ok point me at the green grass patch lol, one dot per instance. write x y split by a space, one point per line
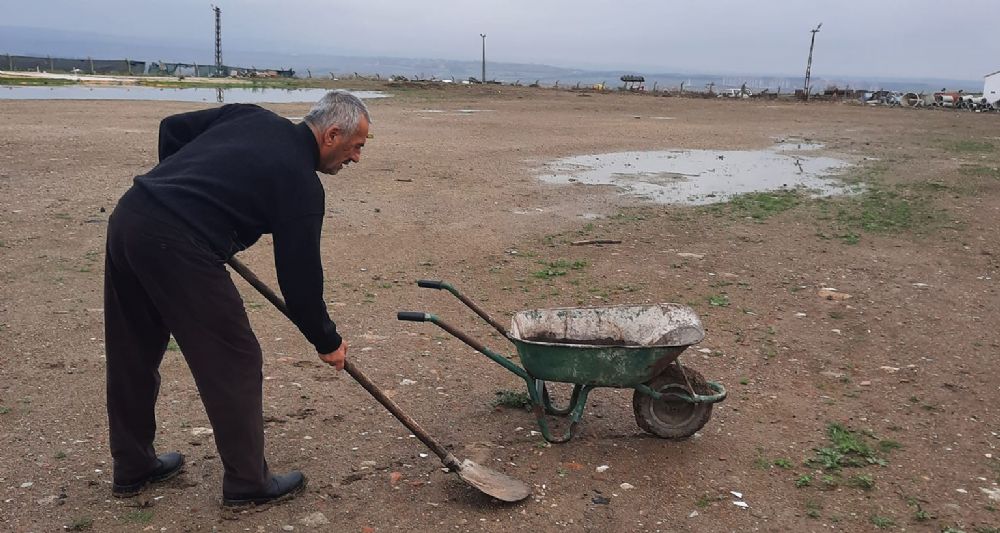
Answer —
172 345
512 399
848 449
140 516
34 82
761 205
719 300
80 524
881 210
882 522
968 147
979 171
4 410
560 267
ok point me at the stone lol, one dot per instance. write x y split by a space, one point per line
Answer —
314 520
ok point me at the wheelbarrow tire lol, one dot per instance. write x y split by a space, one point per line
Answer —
670 417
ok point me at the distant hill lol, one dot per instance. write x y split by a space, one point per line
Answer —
81 44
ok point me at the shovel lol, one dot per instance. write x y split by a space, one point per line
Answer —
489 482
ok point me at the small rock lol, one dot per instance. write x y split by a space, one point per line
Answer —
407 382
314 520
993 494
368 464
832 374
688 255
705 350
829 293
288 528
743 505
48 500
961 491
394 478
199 431
739 495
800 315
26 484
890 369
602 468
693 514
627 486
921 285
600 500
865 383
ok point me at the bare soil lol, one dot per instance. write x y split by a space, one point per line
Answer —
907 364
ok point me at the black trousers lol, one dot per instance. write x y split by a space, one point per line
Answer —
160 279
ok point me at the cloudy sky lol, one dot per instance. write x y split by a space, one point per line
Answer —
885 38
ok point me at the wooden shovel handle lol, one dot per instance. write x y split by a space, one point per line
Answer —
447 458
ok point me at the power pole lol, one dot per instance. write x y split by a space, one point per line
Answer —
483 35
218 40
810 63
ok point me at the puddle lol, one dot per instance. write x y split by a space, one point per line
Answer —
699 177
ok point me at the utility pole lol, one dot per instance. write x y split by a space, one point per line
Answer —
810 63
218 40
483 35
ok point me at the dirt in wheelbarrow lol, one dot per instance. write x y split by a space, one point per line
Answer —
856 335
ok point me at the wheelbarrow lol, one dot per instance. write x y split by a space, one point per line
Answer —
626 346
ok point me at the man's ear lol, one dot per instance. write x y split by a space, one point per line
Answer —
330 137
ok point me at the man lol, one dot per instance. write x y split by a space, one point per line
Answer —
226 176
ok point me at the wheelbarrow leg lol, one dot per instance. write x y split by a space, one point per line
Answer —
575 409
550 408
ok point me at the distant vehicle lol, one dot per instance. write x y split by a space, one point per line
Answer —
735 93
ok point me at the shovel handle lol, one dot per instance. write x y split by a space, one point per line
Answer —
446 457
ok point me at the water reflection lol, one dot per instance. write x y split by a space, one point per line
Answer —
698 177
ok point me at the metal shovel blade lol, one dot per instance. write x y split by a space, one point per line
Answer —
493 483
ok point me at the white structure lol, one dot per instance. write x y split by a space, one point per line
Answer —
991 87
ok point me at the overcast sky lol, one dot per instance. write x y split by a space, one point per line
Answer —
884 38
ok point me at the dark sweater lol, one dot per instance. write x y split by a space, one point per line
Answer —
235 172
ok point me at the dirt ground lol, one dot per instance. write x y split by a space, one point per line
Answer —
876 411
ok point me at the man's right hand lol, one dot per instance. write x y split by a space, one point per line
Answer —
336 358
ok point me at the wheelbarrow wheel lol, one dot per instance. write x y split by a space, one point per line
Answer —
671 417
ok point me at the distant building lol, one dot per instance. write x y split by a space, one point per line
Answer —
991 87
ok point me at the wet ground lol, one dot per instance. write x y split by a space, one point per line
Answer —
857 335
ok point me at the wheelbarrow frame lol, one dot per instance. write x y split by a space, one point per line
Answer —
646 362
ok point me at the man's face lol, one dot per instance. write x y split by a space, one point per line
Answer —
339 150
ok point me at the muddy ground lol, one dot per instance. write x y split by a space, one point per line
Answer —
875 411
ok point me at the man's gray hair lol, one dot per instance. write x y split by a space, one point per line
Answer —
340 108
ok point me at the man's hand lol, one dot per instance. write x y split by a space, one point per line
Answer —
337 357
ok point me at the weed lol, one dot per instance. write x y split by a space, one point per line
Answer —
862 481
141 516
60 455
783 463
172 345
888 445
979 171
813 508
704 501
512 399
804 480
744 381
80 524
4 410
882 522
719 300
987 529
828 482
966 146
849 450
558 268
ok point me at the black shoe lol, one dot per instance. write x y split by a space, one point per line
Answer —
282 488
168 465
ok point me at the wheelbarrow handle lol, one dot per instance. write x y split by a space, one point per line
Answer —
437 284
413 316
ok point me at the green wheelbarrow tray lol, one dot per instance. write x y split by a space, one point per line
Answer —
627 346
